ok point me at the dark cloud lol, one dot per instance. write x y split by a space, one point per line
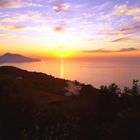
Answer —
131 28
7 4
127 49
97 51
62 7
12 27
58 29
18 27
121 39
117 32
110 51
125 30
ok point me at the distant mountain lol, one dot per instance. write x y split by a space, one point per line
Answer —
9 57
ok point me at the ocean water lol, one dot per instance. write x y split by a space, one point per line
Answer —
89 72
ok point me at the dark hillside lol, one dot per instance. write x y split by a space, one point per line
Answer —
33 106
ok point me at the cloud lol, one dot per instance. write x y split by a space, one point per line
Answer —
99 11
17 27
12 27
136 18
123 26
62 7
87 15
131 28
123 31
104 16
121 39
110 51
118 10
10 4
59 29
50 1
125 10
127 50
33 16
66 7
14 18
101 7
6 35
17 4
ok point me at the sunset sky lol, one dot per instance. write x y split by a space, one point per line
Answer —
68 28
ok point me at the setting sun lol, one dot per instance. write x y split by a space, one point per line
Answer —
62 55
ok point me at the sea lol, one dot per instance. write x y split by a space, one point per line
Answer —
88 72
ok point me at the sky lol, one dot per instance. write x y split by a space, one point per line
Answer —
70 28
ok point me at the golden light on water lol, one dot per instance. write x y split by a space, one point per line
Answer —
62 69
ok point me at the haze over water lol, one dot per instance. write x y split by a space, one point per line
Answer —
89 72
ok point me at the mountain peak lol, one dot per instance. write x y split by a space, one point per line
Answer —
11 54
11 57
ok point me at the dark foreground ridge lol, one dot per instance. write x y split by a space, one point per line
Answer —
35 106
16 58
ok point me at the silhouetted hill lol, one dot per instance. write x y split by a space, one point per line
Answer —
34 106
33 84
9 57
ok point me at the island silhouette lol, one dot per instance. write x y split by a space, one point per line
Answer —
16 58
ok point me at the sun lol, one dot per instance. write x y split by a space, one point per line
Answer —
62 55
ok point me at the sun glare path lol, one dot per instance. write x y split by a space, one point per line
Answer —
62 69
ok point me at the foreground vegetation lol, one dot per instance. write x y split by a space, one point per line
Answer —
33 107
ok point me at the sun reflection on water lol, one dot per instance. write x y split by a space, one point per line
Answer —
62 69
